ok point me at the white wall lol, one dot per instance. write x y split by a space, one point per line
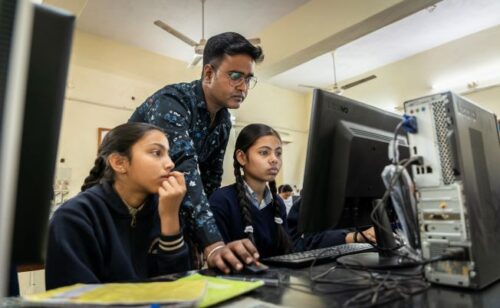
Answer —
288 113
488 98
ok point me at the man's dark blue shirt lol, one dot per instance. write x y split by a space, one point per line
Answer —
196 147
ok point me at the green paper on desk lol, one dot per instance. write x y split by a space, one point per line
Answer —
187 292
219 289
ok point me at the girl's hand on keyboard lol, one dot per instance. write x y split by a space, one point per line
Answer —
356 237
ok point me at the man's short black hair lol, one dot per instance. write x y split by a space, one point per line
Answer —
229 43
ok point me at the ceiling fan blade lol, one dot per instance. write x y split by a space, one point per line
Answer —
196 60
314 87
254 41
175 33
308 86
355 83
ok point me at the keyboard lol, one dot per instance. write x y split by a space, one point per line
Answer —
322 255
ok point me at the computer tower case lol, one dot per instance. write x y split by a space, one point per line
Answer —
458 188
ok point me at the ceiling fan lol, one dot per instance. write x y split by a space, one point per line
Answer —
198 46
335 88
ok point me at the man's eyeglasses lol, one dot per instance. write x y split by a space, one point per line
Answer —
237 78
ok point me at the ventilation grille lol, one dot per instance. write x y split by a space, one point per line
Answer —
437 249
445 155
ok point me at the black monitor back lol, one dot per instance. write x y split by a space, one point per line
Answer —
48 66
346 154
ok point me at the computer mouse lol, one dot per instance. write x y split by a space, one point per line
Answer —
254 268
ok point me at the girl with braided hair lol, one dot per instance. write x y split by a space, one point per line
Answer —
124 225
251 208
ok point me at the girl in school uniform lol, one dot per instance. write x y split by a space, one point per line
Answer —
251 207
124 225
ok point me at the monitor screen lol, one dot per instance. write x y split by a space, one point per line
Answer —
29 146
346 154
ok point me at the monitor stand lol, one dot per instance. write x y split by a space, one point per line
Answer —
374 260
387 257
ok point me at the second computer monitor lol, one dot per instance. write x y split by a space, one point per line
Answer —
346 154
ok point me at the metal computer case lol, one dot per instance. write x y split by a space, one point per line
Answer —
458 187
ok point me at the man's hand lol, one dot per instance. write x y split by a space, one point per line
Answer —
230 256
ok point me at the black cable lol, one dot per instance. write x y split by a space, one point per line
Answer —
318 257
387 192
314 289
395 152
406 279
382 202
378 288
450 254
387 290
378 248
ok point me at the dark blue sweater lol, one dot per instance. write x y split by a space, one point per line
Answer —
92 240
309 241
225 207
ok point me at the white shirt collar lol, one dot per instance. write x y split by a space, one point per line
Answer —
252 196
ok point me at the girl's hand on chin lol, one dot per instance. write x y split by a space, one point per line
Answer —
171 193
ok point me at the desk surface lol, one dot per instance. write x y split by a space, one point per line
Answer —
298 293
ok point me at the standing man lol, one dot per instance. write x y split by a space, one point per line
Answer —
196 120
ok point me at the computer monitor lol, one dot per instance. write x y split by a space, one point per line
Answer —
346 154
34 65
